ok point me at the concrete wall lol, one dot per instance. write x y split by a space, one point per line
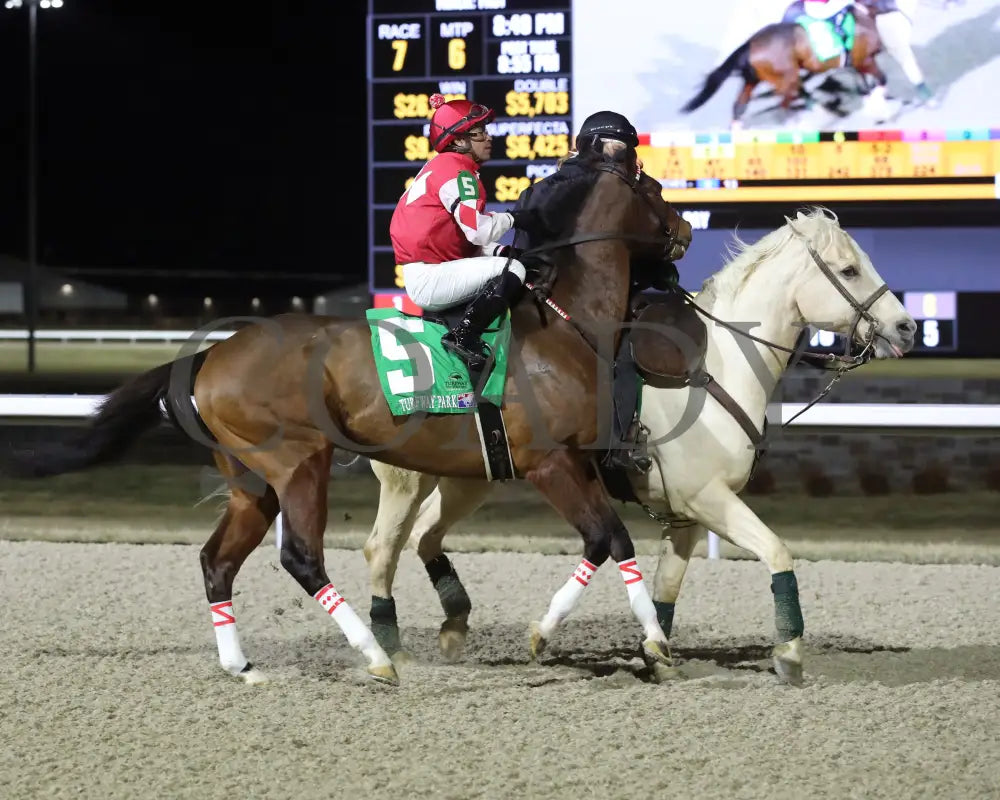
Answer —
905 461
835 461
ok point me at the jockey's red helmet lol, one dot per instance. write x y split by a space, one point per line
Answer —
453 118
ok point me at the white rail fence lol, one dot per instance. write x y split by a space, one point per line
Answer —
911 417
110 335
903 417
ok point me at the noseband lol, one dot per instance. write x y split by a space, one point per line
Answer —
841 363
862 309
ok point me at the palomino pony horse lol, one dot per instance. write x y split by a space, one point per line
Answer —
703 431
778 53
280 394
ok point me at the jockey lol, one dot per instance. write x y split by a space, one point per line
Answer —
597 130
834 11
445 239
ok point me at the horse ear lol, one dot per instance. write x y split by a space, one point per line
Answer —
788 219
801 216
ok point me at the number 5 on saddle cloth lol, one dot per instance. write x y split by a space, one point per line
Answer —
419 374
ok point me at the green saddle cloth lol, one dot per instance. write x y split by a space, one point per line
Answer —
823 38
418 374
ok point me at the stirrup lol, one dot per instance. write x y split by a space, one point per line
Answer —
634 458
475 360
629 461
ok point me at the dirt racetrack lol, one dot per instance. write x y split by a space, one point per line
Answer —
111 686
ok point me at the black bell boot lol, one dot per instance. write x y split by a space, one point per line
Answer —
465 339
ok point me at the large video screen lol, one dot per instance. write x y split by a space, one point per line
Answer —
734 101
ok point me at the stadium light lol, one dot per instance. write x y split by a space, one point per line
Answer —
31 284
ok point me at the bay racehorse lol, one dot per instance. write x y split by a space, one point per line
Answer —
705 420
276 398
779 53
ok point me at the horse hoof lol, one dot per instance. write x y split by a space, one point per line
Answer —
663 673
385 673
254 677
538 641
787 659
452 645
451 638
654 652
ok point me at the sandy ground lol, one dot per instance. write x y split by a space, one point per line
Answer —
111 687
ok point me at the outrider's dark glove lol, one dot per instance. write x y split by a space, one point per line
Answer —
528 220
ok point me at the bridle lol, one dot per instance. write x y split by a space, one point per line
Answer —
841 363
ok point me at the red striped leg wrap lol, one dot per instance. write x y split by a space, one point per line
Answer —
329 598
584 572
630 571
222 613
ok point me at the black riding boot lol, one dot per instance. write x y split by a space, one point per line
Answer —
626 427
464 340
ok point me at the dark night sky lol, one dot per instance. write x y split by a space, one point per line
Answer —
215 135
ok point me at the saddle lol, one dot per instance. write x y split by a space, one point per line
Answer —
669 341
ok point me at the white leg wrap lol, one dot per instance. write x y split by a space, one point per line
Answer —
640 601
358 634
565 600
226 638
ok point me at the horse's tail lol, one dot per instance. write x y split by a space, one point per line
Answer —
738 58
132 409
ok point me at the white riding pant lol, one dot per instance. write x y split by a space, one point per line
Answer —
894 31
437 286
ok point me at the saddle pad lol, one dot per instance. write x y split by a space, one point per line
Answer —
824 40
418 374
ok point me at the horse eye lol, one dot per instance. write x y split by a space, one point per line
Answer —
850 272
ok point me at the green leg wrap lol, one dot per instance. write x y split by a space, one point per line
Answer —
664 615
384 626
454 599
787 612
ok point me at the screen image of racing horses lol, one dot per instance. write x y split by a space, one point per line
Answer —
768 65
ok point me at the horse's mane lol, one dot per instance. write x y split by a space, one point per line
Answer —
743 258
571 187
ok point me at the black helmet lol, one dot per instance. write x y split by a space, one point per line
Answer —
609 125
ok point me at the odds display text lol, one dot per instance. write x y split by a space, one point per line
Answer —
511 55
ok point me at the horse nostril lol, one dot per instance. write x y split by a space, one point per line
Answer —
907 327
